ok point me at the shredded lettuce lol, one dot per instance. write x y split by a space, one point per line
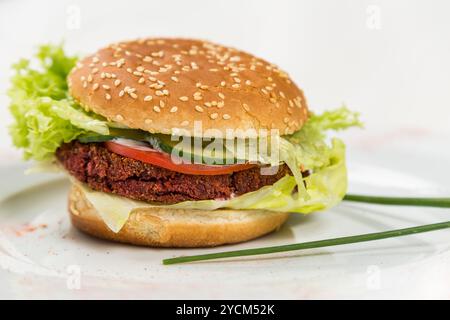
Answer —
326 188
308 148
44 114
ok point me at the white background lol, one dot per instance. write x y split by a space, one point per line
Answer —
388 59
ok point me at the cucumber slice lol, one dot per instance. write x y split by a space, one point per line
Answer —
195 151
94 138
115 133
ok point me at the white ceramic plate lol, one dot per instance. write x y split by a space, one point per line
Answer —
42 256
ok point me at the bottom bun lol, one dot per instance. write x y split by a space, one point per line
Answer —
163 227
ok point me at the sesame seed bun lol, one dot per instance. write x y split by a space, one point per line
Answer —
164 85
158 227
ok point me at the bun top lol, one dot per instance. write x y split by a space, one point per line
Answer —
164 85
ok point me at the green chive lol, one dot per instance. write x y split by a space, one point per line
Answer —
311 245
401 201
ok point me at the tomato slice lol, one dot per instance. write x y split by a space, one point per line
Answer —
164 160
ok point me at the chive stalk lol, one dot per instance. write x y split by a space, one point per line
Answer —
400 201
312 244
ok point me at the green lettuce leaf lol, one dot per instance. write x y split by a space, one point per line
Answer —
44 114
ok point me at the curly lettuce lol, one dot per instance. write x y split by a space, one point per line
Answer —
44 114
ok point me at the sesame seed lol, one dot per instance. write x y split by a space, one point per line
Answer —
104 64
133 95
199 108
157 109
184 98
140 68
106 87
282 95
162 104
141 80
236 86
159 93
148 98
95 86
95 59
246 107
119 117
226 116
174 79
89 79
117 82
85 84
137 73
273 100
220 104
223 83
248 82
148 121
237 80
173 109
95 70
121 93
147 59
214 115
221 95
108 96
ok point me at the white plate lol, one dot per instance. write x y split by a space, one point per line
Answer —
42 256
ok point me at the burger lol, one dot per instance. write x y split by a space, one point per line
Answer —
163 141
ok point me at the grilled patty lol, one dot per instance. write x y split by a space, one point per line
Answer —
105 171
